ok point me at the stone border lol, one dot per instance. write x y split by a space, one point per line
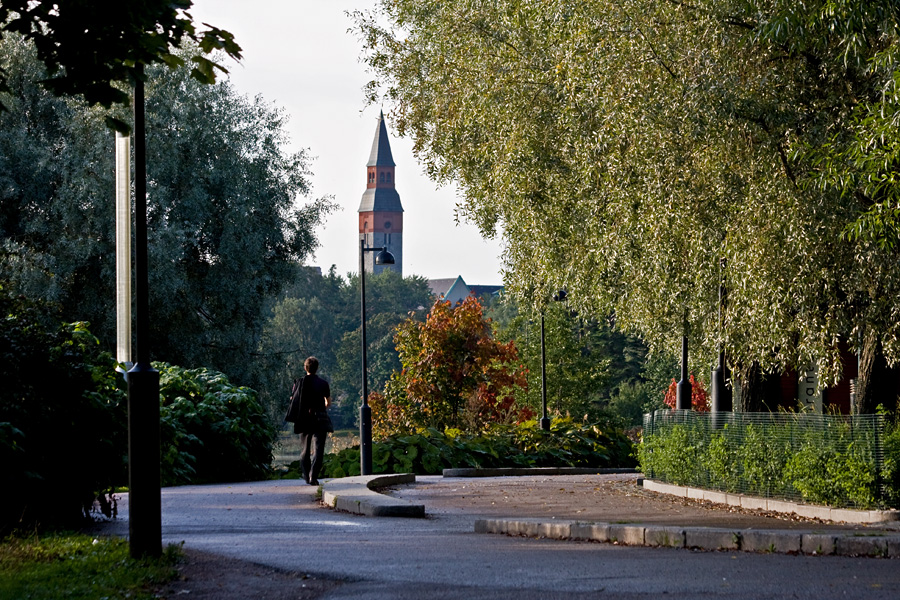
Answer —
702 538
809 511
354 494
521 472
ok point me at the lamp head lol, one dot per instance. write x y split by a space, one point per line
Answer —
560 296
384 258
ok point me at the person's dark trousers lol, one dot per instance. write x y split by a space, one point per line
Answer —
312 465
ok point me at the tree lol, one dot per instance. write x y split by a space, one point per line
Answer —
319 315
592 370
90 47
226 230
627 148
455 374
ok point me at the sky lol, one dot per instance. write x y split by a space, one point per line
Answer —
298 55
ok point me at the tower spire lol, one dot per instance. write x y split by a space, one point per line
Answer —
380 211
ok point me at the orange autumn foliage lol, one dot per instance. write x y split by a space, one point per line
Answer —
455 374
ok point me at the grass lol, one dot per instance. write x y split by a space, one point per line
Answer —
75 566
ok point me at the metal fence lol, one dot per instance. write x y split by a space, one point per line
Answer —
836 460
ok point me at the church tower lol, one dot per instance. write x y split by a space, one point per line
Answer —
380 211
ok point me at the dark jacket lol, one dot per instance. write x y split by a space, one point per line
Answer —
312 400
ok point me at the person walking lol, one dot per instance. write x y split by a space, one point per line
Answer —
310 399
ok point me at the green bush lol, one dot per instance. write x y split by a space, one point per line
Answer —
210 429
525 445
891 469
62 417
669 455
829 463
63 422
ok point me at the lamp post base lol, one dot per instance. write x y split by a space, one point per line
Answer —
365 439
545 423
144 497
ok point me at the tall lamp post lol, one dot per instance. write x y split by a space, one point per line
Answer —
144 501
365 413
559 296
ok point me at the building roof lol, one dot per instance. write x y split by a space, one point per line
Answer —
439 287
381 156
456 289
380 199
485 290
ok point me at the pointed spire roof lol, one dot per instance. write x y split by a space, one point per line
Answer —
381 147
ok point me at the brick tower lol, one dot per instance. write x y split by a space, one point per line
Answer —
380 211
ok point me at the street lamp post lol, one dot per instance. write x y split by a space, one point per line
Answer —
365 413
559 296
144 501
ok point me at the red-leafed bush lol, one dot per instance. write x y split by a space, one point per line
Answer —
699 396
455 375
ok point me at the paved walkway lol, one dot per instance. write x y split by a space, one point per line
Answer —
280 525
611 508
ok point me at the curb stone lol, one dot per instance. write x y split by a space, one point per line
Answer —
811 511
354 495
526 471
702 538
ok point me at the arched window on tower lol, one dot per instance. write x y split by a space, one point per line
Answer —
388 177
381 177
365 225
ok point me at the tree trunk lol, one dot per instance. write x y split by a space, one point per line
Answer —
873 385
752 388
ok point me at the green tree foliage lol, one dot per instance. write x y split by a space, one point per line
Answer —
226 231
455 374
89 47
626 147
319 315
593 371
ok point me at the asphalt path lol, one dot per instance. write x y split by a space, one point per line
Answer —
280 524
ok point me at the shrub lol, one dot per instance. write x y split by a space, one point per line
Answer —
211 430
430 451
62 417
699 396
827 461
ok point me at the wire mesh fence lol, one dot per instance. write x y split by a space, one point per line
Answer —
836 460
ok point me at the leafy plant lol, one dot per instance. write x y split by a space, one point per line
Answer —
526 445
62 417
828 461
699 397
211 430
455 374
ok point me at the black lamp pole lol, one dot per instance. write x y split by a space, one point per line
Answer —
683 389
559 296
144 505
545 420
365 413
721 398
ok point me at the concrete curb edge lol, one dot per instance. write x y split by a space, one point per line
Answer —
702 538
355 495
809 511
524 471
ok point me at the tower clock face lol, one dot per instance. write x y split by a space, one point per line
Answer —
387 224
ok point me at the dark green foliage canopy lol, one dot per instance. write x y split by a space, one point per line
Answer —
226 228
92 47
